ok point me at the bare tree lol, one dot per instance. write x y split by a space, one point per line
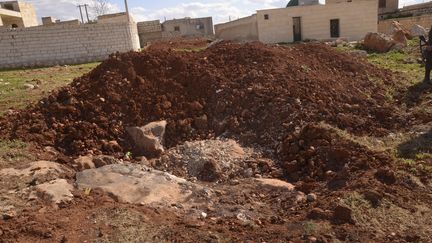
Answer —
100 7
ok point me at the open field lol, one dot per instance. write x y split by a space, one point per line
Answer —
14 94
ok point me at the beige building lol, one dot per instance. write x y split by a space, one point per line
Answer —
384 6
17 14
349 20
186 27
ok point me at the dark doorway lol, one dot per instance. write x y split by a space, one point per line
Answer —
297 29
334 28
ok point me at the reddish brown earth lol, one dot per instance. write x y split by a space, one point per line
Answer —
271 98
253 92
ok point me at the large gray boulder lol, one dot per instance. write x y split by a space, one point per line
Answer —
148 140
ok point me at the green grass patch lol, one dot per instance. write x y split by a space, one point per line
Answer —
13 93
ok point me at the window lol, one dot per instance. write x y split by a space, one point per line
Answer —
200 26
334 28
176 28
266 17
14 26
8 6
382 3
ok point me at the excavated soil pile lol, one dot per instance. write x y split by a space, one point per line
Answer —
253 92
318 153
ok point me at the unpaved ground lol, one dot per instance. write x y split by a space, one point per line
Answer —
276 144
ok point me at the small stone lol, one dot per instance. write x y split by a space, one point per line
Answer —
203 215
343 214
9 215
312 239
149 139
300 197
312 197
318 213
84 163
29 86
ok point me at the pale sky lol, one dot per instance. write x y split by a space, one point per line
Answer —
220 10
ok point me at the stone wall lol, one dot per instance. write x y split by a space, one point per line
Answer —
385 26
149 31
65 44
244 29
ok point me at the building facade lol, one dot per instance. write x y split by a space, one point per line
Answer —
186 27
17 14
348 20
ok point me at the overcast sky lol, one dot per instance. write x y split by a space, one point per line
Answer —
221 10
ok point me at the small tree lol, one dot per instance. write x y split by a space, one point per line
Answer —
100 7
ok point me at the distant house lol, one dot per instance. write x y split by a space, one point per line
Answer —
307 20
385 7
185 27
17 14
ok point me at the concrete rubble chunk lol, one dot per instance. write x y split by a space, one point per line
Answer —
148 139
56 191
137 185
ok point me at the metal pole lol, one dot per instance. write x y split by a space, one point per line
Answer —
82 19
85 6
127 10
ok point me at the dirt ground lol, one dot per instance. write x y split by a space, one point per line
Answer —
299 143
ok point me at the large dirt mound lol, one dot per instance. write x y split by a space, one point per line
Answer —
253 92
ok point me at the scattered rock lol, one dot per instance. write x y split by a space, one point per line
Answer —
318 214
148 140
342 215
102 160
135 184
39 172
9 215
84 163
201 122
56 191
28 86
276 183
312 197
373 197
386 175
360 53
207 160
378 42
418 30
399 37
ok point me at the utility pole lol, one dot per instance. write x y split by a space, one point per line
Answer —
82 19
127 10
85 6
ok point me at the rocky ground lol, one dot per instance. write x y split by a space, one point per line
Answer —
234 142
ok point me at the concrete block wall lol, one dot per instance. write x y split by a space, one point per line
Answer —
244 29
385 26
65 44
